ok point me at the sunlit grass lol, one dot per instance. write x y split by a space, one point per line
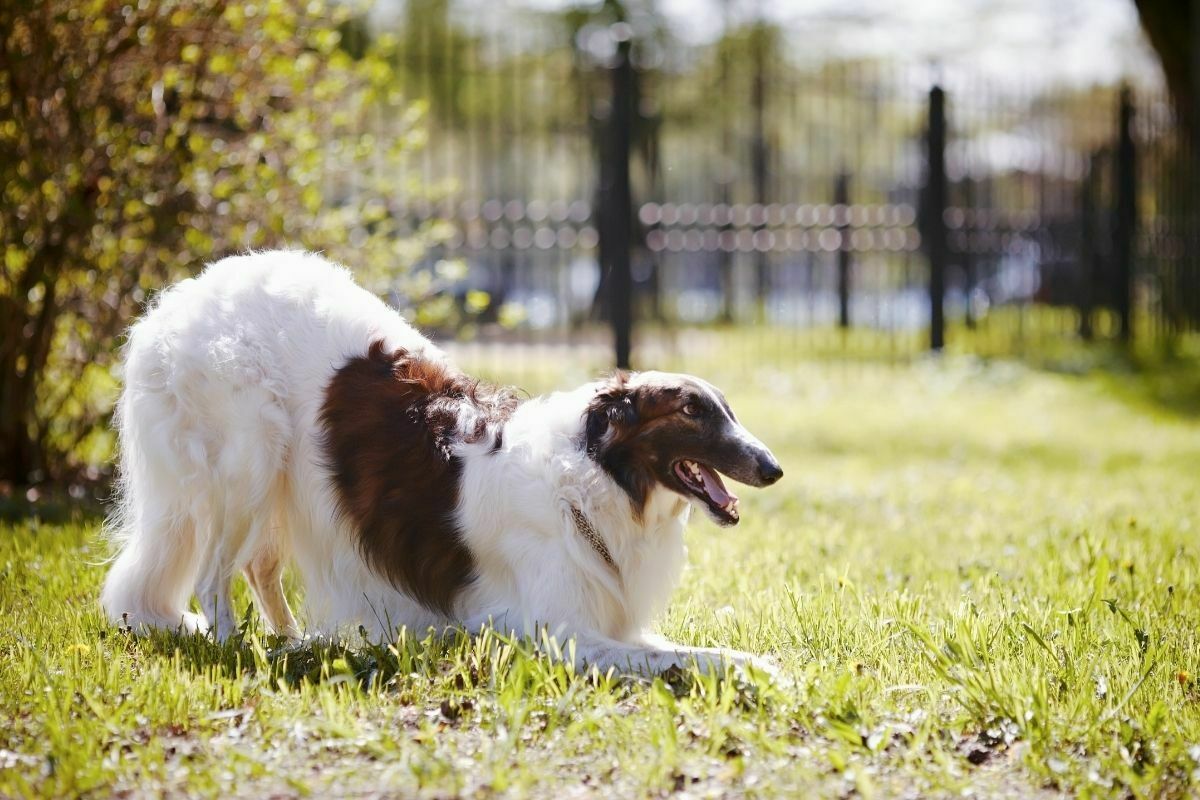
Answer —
975 576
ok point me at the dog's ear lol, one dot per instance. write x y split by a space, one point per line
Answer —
612 407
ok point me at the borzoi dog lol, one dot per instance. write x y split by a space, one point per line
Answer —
276 413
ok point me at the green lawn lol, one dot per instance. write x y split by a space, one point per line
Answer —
974 577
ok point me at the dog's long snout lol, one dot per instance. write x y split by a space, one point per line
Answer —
754 464
769 470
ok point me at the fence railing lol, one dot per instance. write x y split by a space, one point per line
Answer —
593 179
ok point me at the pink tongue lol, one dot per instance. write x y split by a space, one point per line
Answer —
713 487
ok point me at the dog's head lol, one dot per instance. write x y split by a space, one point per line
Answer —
675 431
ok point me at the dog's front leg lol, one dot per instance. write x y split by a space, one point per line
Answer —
586 649
653 655
647 654
710 659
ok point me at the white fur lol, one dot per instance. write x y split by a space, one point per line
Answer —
222 471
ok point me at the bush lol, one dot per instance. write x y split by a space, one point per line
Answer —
139 141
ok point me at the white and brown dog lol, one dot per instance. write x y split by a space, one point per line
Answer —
275 412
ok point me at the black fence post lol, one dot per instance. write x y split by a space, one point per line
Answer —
935 217
1185 283
1125 227
841 201
618 211
725 276
760 168
966 254
1089 192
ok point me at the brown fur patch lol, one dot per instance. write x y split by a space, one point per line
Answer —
391 422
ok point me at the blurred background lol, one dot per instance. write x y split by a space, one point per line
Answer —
552 188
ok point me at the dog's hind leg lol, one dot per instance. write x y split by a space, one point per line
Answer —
150 581
226 532
248 467
151 578
233 544
264 573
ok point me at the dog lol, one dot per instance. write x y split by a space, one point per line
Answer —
276 413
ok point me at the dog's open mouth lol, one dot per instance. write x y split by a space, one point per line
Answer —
706 484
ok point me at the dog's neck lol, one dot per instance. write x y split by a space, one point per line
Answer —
647 552
544 469
588 531
645 541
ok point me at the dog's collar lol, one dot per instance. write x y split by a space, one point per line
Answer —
589 533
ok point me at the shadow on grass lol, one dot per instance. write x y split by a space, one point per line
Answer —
288 664
449 663
1174 388
1165 382
52 503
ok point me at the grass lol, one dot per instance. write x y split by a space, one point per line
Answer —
978 578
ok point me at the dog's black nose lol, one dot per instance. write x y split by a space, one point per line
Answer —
769 470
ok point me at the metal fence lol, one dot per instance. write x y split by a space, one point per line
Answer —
601 184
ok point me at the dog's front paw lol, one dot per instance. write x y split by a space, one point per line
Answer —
750 663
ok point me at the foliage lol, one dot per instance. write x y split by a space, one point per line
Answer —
1170 26
139 141
969 590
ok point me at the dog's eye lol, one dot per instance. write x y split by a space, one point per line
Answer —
692 409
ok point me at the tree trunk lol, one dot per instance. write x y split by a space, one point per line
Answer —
1169 25
31 332
16 445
